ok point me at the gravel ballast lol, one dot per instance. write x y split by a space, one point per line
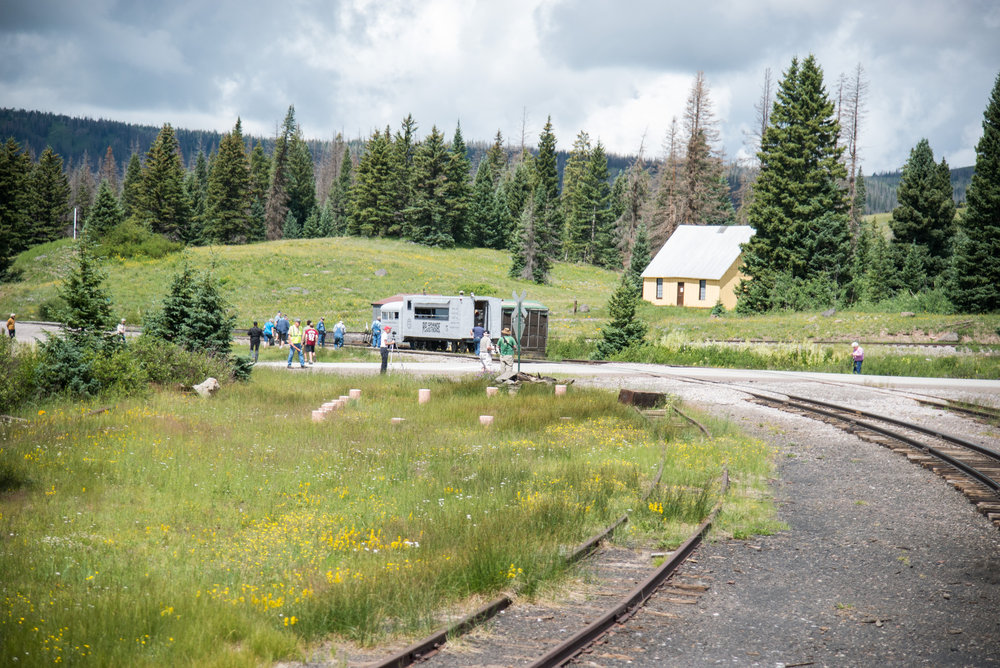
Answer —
883 563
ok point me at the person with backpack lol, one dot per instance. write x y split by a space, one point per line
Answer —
269 332
309 338
281 326
321 328
507 345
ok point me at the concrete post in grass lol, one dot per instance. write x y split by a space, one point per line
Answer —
492 391
560 390
355 394
423 396
486 420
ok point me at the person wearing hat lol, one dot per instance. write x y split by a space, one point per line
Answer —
295 344
121 330
383 347
10 325
507 346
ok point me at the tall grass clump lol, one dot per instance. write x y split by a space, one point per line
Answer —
236 531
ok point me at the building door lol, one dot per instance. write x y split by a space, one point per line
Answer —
680 293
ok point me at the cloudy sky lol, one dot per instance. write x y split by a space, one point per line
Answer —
617 69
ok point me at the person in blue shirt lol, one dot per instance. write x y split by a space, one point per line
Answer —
338 334
376 332
321 329
269 332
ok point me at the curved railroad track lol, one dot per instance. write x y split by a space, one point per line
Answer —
970 467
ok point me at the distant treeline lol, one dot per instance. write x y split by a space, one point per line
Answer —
77 138
881 189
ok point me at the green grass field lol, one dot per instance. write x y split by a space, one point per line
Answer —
340 277
235 531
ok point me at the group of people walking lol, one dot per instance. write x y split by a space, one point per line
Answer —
281 331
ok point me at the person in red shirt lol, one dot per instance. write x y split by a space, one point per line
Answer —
309 338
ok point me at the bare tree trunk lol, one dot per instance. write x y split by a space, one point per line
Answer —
857 91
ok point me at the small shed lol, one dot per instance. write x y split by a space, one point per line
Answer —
698 266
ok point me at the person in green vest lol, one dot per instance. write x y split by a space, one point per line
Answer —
295 343
507 345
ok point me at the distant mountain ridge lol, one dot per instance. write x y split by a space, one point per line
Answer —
880 189
72 138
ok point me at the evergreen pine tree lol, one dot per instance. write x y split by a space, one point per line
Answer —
624 329
578 187
482 208
400 187
497 157
340 191
312 228
276 201
15 171
301 186
229 196
326 220
458 191
370 211
162 205
499 233
913 274
604 251
430 223
194 315
797 192
104 215
171 322
132 186
194 194
541 223
926 212
881 280
640 259
88 306
291 229
49 198
975 287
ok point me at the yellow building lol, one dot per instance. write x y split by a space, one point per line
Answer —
699 266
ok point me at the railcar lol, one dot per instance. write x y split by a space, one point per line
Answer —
445 322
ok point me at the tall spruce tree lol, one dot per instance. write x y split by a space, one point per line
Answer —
105 214
162 205
975 286
49 198
83 189
798 205
370 213
459 191
430 223
624 329
132 186
88 306
482 206
301 179
641 256
340 191
540 225
576 181
229 195
15 171
401 157
276 204
926 212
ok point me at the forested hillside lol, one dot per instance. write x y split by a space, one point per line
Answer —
881 189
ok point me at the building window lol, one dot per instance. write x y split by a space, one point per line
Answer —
702 290
430 313
659 288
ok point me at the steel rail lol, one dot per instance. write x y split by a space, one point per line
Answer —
578 642
970 471
432 643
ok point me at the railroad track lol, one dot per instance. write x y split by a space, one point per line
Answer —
970 467
592 622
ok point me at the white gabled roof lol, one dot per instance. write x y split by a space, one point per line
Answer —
699 251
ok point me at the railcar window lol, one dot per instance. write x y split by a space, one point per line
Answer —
430 313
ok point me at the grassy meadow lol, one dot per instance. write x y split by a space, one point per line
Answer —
234 531
338 278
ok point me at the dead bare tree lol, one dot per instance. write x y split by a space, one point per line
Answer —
856 94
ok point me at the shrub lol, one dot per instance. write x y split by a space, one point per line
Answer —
52 309
130 239
66 367
18 365
166 363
